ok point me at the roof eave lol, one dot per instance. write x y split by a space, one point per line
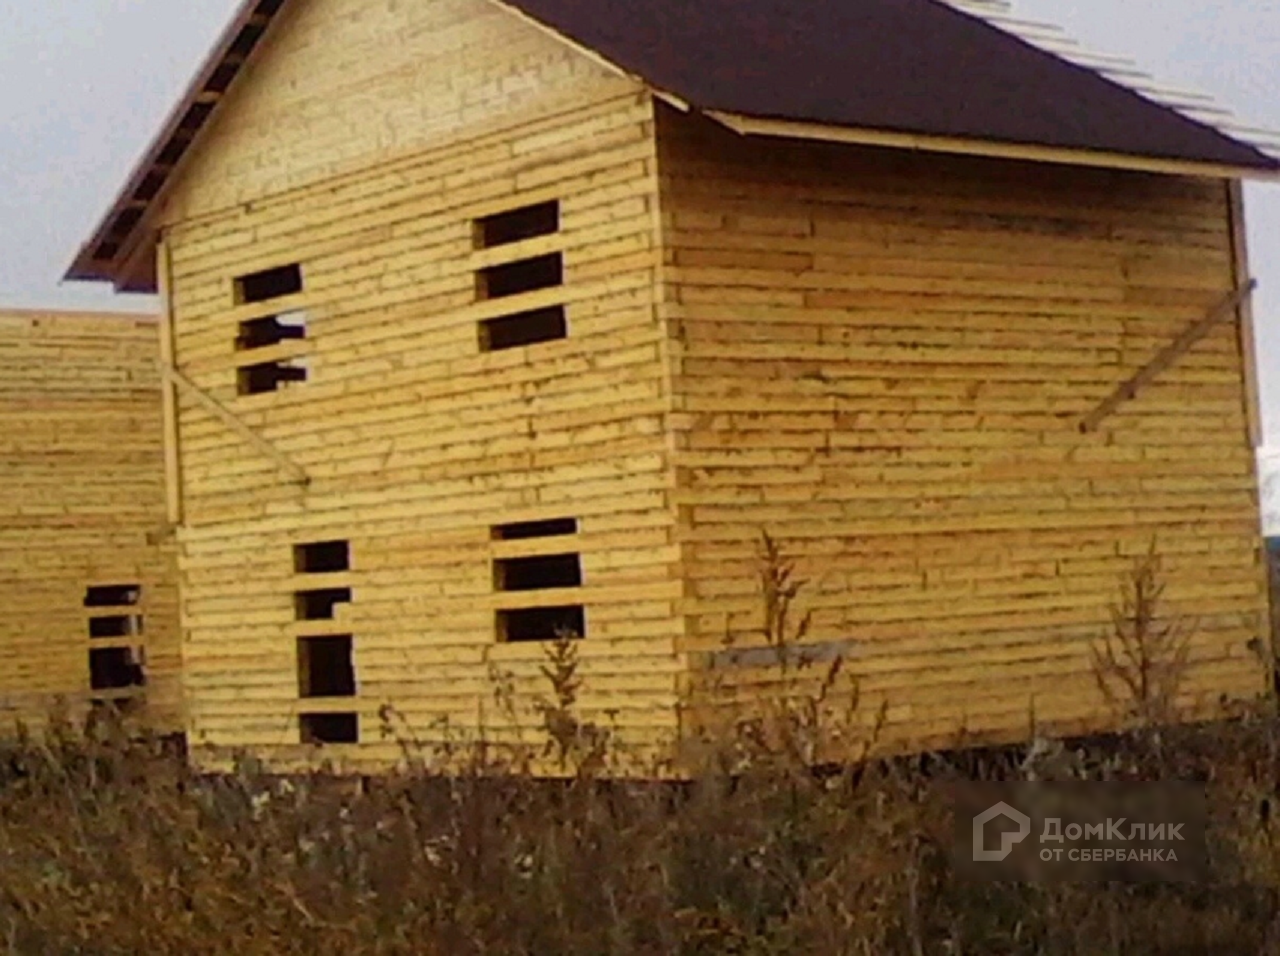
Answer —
1266 170
181 128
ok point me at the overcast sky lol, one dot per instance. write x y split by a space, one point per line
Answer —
85 83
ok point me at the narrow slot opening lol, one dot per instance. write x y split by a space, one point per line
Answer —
320 605
113 595
272 330
524 625
116 668
271 376
325 667
116 625
523 328
269 284
330 728
540 573
517 278
325 557
528 222
523 530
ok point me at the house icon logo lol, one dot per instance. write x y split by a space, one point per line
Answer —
1007 840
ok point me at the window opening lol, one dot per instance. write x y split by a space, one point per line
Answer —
330 728
523 328
528 222
269 284
326 667
325 557
116 668
518 278
113 595
523 530
525 625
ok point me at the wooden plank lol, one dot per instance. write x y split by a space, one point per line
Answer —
758 126
1243 277
168 393
235 423
1128 391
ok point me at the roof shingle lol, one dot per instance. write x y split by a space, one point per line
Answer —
911 66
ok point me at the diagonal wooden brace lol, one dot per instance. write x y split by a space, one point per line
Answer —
229 418
1167 356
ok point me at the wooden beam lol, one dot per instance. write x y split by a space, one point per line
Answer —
1168 355
1248 347
233 421
756 126
168 359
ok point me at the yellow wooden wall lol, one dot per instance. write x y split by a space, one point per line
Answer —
881 358
82 506
363 145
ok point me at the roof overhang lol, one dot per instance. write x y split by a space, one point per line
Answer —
764 126
120 250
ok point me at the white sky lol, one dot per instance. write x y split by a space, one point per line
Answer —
85 83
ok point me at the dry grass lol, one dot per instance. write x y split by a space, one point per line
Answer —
112 845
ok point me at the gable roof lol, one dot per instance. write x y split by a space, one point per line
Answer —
950 71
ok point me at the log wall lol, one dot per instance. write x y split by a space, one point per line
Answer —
83 508
881 359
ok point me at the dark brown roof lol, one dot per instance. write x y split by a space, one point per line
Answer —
912 66
905 66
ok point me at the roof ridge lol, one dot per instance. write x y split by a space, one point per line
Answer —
1122 69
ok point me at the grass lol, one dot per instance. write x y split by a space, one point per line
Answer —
114 845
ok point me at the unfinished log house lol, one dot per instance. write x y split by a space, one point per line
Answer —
87 565
489 321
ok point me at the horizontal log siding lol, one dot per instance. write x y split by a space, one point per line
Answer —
882 358
82 474
415 441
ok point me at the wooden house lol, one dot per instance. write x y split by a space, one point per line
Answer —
86 561
487 321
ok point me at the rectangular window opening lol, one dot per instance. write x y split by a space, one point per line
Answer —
321 605
524 530
326 557
538 573
272 330
524 328
117 625
542 624
113 595
271 376
528 222
517 278
330 728
116 668
325 667
269 284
